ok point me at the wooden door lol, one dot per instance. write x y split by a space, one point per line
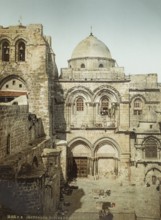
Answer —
80 166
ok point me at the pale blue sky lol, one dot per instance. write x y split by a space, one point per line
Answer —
130 28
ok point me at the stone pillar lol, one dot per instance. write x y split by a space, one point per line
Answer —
94 114
87 108
62 146
125 166
12 53
68 115
91 166
116 166
124 116
51 161
95 166
160 199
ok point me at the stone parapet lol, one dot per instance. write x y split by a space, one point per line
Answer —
116 73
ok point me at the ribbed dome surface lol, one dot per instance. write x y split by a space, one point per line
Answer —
91 47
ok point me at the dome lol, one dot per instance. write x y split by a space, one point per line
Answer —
91 47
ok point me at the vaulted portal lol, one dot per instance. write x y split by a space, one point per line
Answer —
79 159
153 176
106 160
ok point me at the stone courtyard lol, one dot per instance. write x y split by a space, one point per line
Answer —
126 202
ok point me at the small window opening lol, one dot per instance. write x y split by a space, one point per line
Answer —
154 180
151 148
21 51
100 65
104 106
8 144
20 85
7 86
138 105
35 163
15 103
13 82
5 51
82 65
151 126
137 112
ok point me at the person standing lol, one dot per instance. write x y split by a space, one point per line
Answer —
105 214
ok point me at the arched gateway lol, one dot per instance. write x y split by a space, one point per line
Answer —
79 154
106 156
100 160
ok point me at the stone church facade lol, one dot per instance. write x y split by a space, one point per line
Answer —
92 121
111 121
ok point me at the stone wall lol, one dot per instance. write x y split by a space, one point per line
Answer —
92 74
19 129
86 131
26 130
22 197
29 196
67 116
62 146
36 72
142 81
83 129
28 184
13 129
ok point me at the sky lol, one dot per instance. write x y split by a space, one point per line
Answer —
131 29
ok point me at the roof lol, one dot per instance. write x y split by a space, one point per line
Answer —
91 47
12 93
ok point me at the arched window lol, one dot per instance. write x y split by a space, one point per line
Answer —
5 51
80 104
21 51
150 148
138 106
104 106
100 65
8 144
82 65
35 163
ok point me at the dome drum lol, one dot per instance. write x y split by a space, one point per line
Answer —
90 63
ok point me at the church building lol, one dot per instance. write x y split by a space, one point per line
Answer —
110 120
90 121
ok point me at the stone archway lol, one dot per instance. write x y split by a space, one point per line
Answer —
106 160
153 176
79 159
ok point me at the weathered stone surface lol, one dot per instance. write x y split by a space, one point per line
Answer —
93 121
28 184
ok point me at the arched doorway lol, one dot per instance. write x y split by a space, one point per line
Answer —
79 160
106 160
153 176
